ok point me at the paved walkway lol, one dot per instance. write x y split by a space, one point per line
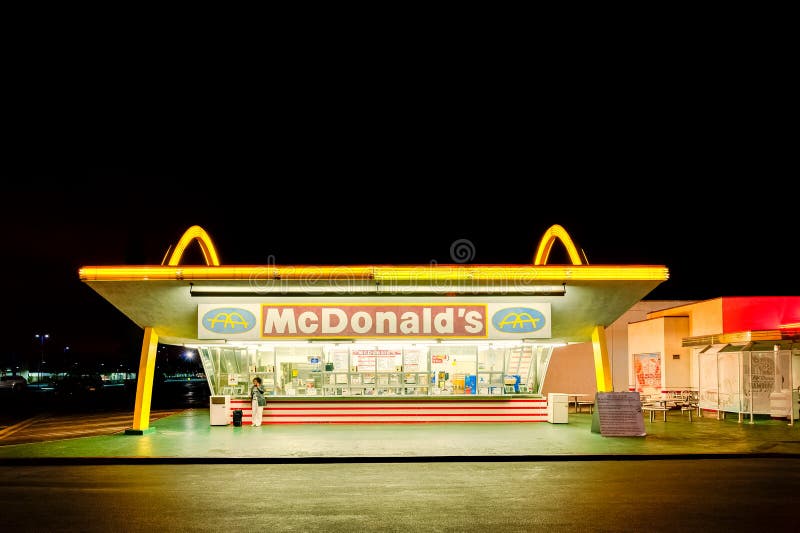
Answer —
187 435
54 426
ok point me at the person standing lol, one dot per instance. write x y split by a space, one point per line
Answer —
257 394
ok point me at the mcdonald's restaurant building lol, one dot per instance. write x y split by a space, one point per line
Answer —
375 343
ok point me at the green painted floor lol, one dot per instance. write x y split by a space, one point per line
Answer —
189 435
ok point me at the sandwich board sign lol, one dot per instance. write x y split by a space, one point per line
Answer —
618 414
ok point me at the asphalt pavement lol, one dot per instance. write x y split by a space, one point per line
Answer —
708 495
707 474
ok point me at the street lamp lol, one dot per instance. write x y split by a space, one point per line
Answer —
188 355
42 337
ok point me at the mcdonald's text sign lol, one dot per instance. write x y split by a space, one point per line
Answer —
301 320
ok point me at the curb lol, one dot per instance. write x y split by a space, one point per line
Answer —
70 461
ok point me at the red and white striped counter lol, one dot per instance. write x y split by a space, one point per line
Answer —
369 411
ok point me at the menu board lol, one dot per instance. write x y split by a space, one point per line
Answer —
383 360
364 359
340 360
619 414
386 360
411 360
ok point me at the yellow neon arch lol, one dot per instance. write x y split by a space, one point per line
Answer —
199 234
546 245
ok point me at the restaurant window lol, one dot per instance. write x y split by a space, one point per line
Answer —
298 370
330 369
416 373
454 369
490 370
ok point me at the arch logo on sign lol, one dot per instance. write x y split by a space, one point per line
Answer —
229 320
519 320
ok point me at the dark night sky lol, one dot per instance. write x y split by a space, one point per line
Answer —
644 176
715 243
670 152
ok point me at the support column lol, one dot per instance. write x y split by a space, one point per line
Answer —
144 384
602 364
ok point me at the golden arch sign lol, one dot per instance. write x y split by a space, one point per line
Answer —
195 233
546 245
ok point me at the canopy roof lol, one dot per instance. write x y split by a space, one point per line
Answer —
166 297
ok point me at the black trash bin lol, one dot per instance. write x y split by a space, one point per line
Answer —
237 417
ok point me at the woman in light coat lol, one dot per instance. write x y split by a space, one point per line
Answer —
257 394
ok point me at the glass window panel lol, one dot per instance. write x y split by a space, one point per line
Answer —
401 369
415 359
490 370
416 378
453 368
337 358
762 380
708 380
729 379
210 370
298 370
538 371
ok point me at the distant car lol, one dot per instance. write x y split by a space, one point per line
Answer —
13 383
79 384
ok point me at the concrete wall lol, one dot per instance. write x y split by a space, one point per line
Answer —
617 340
677 372
694 366
572 367
646 336
705 318
617 337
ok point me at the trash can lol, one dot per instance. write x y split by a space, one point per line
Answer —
237 417
557 408
219 409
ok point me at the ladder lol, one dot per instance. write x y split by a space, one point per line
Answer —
519 363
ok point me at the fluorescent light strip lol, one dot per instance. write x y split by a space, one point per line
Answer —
380 274
377 342
280 288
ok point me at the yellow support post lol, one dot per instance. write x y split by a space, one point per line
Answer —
144 384
602 364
